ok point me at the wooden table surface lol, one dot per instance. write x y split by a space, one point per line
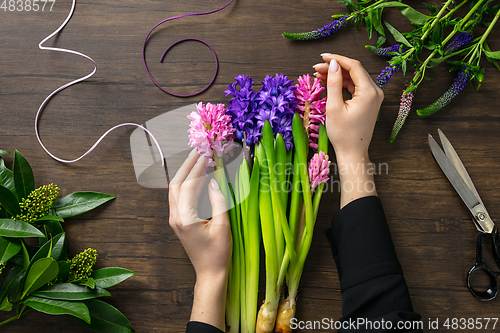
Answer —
431 227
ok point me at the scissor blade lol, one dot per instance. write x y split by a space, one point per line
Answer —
452 174
457 163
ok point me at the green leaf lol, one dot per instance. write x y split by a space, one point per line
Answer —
437 33
9 248
41 272
70 292
9 201
5 305
111 276
381 40
411 14
6 177
90 282
105 318
57 307
49 218
11 281
14 228
397 35
492 55
4 152
79 202
26 257
64 267
24 180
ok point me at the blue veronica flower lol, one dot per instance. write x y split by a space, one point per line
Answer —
386 74
458 85
384 51
325 31
460 41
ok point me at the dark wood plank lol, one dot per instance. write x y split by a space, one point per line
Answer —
433 234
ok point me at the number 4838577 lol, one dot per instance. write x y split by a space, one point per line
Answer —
26 5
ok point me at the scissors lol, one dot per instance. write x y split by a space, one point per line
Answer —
456 173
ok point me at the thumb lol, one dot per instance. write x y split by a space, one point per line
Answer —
217 199
334 87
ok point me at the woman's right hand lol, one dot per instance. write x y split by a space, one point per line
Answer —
350 122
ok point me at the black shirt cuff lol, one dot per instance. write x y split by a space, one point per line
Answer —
199 327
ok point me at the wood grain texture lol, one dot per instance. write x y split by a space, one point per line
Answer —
431 228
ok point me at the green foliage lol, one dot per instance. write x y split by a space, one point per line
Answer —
43 279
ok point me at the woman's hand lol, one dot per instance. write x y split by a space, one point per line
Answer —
207 242
350 123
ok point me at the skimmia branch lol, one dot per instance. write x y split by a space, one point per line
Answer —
44 279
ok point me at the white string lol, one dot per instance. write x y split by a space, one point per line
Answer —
42 106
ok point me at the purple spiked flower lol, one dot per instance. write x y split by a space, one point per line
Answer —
458 85
243 109
277 104
386 74
325 31
384 51
460 41
404 110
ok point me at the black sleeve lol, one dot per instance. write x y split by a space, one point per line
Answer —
375 297
199 327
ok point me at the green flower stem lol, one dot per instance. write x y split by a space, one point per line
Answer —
252 243
454 9
278 209
18 316
268 231
420 74
479 46
234 278
297 264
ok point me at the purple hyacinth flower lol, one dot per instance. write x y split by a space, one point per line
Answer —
325 31
386 74
458 85
460 41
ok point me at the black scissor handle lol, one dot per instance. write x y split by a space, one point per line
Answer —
492 290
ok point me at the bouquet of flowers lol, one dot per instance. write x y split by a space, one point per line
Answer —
43 277
275 194
459 47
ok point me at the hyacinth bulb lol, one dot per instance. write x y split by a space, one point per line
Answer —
325 31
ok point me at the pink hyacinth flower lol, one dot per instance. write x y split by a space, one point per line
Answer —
211 131
319 167
311 107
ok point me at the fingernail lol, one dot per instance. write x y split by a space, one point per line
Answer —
321 63
200 158
325 54
333 66
315 73
192 152
214 184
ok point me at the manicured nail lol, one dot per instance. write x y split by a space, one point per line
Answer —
214 184
200 158
315 73
192 152
325 54
333 66
321 63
